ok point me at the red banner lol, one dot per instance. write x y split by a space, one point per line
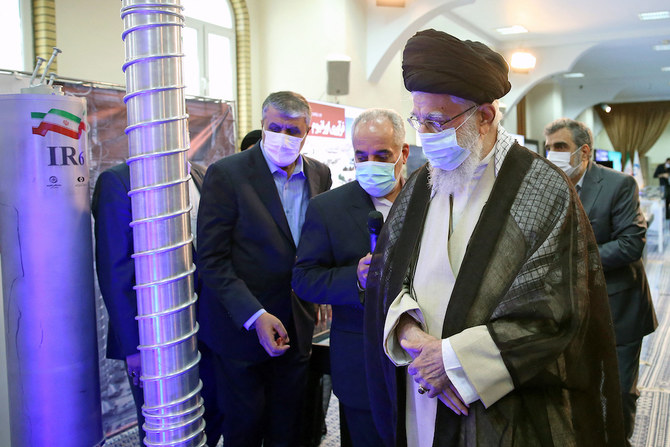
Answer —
327 121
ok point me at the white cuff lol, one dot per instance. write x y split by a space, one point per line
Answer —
482 363
456 374
253 319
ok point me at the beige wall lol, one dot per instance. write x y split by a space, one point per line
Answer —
290 53
89 33
543 105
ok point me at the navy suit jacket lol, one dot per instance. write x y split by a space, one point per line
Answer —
334 238
611 201
246 253
115 268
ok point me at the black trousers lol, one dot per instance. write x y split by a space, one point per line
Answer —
213 415
361 427
628 356
138 397
261 402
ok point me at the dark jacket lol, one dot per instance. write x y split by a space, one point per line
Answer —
113 249
611 201
246 254
334 238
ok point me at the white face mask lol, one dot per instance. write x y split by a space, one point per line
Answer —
280 148
442 149
562 160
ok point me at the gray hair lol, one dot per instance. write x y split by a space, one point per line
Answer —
581 134
381 115
290 104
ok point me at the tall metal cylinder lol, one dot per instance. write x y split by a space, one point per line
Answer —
47 272
158 141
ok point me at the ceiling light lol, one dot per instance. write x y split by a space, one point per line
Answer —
573 75
394 3
516 29
665 68
522 61
656 15
606 108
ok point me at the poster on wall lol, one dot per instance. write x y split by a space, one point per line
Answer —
329 140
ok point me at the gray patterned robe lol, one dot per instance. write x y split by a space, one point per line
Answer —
532 275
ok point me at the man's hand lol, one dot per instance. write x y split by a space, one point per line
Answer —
452 399
271 334
134 362
363 269
427 368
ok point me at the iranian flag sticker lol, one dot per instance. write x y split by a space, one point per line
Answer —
58 121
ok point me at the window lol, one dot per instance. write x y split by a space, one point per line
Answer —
209 49
11 34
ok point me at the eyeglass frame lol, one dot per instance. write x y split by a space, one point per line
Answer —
435 125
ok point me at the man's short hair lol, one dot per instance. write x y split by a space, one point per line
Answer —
581 134
383 115
290 104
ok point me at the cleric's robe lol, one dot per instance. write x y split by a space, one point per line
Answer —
532 275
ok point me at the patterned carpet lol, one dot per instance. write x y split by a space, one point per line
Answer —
129 437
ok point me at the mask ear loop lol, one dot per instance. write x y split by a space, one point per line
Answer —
466 119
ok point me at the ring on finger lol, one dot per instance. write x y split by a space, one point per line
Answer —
422 389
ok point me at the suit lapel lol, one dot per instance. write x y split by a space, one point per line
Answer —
263 183
313 180
591 187
360 207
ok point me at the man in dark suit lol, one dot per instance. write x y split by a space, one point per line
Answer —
611 201
251 211
115 268
333 257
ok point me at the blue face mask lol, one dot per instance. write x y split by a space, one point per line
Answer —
377 178
442 149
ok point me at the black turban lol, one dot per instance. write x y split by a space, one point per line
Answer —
436 62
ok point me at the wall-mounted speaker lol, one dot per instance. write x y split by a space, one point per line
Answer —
338 77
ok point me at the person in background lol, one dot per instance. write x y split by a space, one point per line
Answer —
250 139
252 208
662 173
486 316
111 209
333 257
611 201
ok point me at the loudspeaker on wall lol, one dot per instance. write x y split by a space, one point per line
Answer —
338 77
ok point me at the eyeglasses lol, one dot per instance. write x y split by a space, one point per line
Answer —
432 125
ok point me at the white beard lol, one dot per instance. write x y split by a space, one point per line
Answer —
450 182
